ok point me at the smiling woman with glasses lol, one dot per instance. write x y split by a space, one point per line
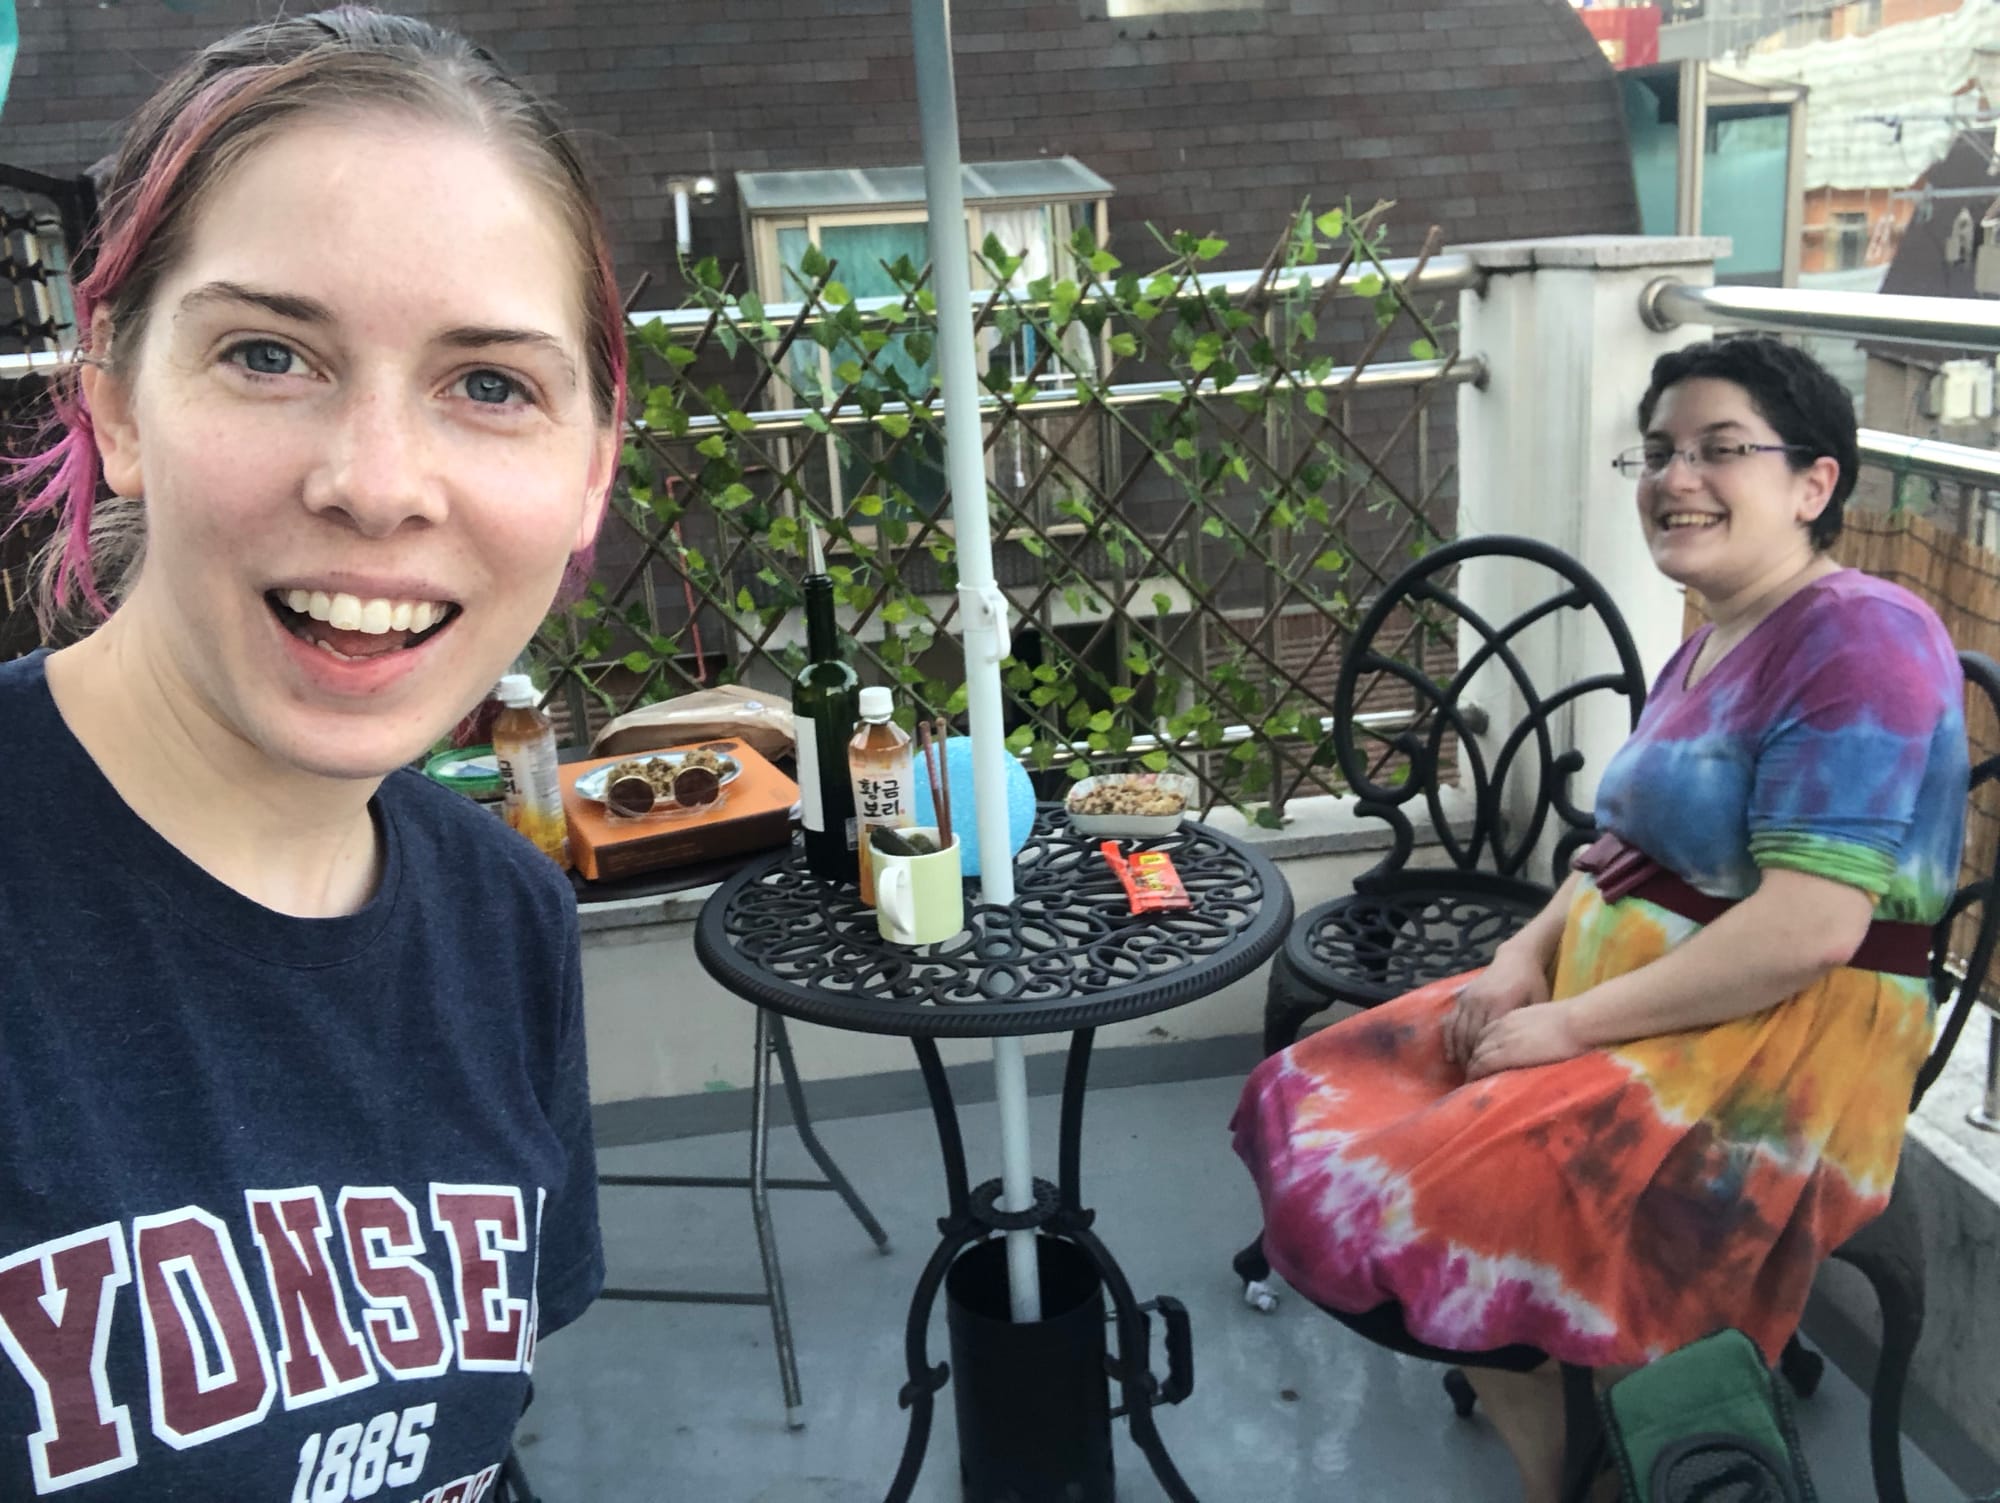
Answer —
1684 1083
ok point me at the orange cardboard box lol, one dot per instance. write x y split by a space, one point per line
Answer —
755 814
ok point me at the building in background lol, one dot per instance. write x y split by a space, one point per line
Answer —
1494 119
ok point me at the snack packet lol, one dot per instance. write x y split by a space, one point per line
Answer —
1151 883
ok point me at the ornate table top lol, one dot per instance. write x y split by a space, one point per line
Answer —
1065 955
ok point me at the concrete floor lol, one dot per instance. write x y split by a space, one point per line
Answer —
680 1402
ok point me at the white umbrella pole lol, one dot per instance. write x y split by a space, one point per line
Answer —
982 608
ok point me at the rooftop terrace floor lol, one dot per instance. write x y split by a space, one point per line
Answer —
682 1402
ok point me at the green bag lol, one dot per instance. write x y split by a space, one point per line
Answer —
1706 1424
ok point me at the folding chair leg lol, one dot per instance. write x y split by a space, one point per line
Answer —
1583 1434
514 1484
1902 1328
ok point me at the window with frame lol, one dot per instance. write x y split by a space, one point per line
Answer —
872 223
1850 241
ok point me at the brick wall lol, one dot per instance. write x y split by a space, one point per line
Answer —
1494 118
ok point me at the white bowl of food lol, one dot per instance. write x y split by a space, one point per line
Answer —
1131 804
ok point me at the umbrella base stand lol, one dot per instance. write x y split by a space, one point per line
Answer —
1072 1258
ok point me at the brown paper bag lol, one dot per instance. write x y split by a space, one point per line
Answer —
728 710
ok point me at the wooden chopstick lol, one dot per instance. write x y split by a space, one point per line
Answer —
943 779
931 772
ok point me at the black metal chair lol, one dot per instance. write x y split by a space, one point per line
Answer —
1889 1251
1405 925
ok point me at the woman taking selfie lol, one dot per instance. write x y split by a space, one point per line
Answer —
295 1156
1684 1083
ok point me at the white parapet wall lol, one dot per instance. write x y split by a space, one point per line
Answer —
1557 323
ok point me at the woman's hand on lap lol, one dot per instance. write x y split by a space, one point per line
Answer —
1528 1036
1512 981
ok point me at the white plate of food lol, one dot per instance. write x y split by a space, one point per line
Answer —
661 769
1134 804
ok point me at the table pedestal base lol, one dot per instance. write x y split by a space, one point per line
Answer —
1058 1212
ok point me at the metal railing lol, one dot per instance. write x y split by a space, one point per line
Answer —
1946 323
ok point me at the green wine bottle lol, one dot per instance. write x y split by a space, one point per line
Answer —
824 709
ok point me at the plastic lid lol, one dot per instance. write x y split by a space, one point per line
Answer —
517 691
877 704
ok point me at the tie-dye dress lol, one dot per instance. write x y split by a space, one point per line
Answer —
1615 1206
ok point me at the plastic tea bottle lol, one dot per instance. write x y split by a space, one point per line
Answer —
825 704
879 758
524 744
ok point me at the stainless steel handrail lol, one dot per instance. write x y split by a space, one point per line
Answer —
1939 322
1932 457
1934 322
1389 375
1448 272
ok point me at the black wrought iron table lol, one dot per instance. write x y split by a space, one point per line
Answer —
1066 957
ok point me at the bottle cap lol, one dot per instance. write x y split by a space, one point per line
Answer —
877 704
517 691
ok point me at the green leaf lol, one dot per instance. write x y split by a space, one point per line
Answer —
1034 545
1208 250
1332 224
813 264
869 505
679 356
1101 721
1156 761
1184 448
1267 818
714 446
1122 694
848 372
1020 739
1316 403
1422 349
1125 345
834 295
815 421
895 424
1213 526
1367 285
918 347
637 662
1332 561
745 601
1078 770
734 495
1162 603
1243 752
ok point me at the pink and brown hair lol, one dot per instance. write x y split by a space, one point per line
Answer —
223 103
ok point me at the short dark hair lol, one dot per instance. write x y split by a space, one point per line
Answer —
1791 391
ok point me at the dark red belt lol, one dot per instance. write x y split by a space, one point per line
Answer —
1622 870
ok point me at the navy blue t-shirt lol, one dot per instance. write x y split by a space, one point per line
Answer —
283 1202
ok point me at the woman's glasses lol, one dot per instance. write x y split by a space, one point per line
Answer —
1650 461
